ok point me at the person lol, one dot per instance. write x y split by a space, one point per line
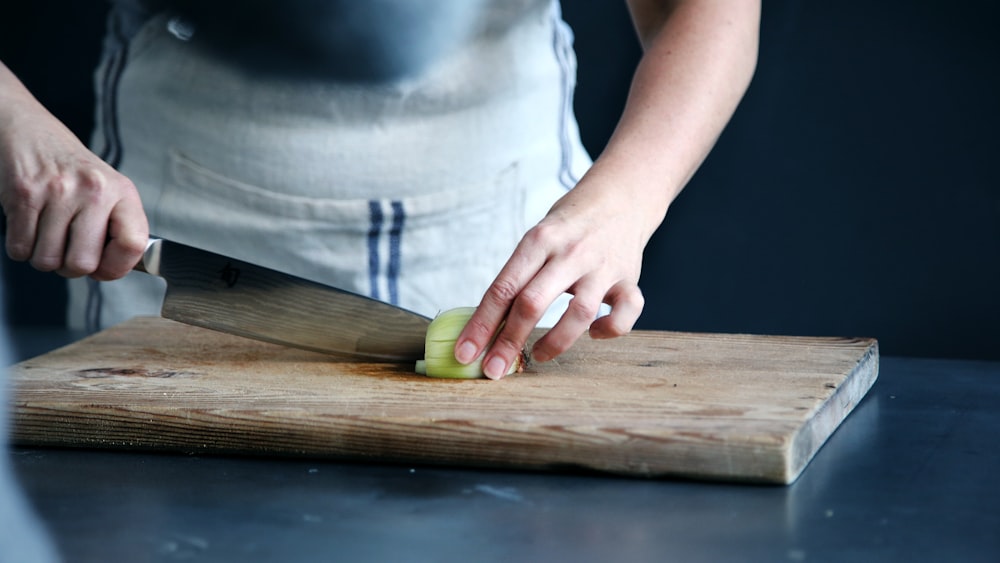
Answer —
423 153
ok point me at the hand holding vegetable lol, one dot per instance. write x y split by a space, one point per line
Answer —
67 210
698 60
590 245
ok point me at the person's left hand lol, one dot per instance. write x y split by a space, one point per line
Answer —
590 245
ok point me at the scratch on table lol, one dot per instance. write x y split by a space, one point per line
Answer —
502 493
183 546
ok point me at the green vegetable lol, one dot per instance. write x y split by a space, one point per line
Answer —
439 348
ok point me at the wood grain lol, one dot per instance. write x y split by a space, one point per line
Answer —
705 406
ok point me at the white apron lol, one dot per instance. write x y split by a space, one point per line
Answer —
413 191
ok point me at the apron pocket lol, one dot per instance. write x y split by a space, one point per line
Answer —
426 252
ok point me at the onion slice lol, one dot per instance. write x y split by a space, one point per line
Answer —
439 348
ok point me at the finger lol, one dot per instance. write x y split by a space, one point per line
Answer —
496 302
22 226
626 302
527 309
573 324
50 239
128 231
84 245
120 256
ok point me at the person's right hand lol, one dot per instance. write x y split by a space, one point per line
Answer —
67 210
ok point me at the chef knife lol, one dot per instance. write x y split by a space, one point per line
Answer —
236 297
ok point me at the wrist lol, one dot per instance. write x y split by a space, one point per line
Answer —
639 183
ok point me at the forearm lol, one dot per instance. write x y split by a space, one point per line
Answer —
11 89
23 119
698 61
15 98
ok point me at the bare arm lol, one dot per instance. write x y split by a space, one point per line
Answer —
67 210
699 56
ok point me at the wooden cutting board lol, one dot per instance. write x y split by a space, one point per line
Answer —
705 406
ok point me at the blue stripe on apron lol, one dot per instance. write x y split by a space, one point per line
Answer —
395 234
376 233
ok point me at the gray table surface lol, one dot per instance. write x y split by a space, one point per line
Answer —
913 474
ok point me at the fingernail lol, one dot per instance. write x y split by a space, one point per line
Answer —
495 368
466 352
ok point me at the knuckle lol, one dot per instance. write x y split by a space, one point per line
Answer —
634 294
617 328
478 329
531 303
106 273
581 310
626 296
18 251
59 187
75 266
20 195
502 292
46 263
92 178
634 299
132 247
506 344
92 187
542 235
554 343
616 324
550 348
70 273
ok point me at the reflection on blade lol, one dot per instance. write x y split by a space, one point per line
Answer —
232 296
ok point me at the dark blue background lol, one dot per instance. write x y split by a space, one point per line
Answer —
855 192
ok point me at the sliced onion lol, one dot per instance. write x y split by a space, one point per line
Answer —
439 348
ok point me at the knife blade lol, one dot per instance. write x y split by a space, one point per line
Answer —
229 295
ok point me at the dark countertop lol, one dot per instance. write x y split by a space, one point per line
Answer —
911 475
